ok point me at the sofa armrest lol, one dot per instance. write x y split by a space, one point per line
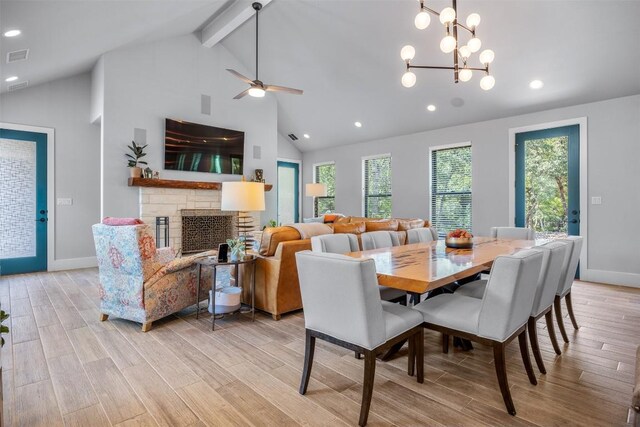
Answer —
178 264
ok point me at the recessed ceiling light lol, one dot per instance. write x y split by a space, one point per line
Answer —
306 135
12 33
431 107
11 79
536 84
358 124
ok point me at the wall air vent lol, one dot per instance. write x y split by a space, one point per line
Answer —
17 55
293 137
17 86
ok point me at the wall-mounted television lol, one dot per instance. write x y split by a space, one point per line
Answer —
199 148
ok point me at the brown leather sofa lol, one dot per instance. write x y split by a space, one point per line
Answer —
277 286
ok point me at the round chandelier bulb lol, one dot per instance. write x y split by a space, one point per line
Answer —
474 44
408 79
487 56
447 44
465 75
422 21
447 15
487 82
407 53
464 51
473 20
256 92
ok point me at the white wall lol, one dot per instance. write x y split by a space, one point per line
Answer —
64 105
613 174
286 149
145 84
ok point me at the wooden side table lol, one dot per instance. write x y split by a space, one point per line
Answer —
214 264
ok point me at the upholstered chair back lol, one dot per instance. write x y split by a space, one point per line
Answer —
421 235
509 295
519 233
340 297
335 243
569 273
379 239
553 257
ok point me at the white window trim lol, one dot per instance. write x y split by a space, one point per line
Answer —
363 189
313 172
445 147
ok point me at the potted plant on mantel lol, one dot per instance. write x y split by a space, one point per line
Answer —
137 152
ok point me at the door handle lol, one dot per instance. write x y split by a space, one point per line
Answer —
42 211
42 220
574 221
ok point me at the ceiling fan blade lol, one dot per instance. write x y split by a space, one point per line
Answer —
240 76
273 88
241 94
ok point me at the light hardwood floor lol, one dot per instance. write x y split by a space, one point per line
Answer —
63 366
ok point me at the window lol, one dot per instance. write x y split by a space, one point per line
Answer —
377 186
325 173
451 188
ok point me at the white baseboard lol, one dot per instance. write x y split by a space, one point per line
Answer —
73 263
611 277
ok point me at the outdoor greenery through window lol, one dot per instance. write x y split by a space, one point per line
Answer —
326 174
377 187
451 189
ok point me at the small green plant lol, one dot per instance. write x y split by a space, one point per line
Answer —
137 153
3 329
236 247
273 223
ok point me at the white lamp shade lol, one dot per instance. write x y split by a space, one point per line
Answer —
315 190
242 196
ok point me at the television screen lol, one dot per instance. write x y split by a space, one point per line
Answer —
199 148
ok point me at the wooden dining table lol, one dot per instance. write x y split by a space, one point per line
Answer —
422 267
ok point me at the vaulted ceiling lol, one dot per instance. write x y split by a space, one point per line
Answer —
345 54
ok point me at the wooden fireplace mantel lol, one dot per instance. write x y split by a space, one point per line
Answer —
185 185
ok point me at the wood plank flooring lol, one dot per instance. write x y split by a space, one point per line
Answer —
62 366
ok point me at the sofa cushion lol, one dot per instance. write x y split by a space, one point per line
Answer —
350 227
332 217
382 225
314 219
307 231
408 224
272 236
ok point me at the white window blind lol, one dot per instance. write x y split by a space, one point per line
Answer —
377 187
451 188
325 174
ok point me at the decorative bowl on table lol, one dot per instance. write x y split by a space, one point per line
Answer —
459 239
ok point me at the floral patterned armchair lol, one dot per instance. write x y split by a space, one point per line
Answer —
140 282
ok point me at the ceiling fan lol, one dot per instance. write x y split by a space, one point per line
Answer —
256 88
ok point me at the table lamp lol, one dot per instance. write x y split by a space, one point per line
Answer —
315 190
243 197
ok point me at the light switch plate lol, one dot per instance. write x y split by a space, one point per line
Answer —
596 200
64 201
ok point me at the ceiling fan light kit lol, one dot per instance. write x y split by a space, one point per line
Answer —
257 89
451 43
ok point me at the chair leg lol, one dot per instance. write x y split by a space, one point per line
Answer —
367 387
356 355
309 348
411 364
567 300
524 351
552 332
103 317
559 319
419 355
445 343
146 326
501 372
535 347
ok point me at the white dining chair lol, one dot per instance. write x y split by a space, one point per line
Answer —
380 240
421 235
497 318
342 306
516 233
564 289
553 256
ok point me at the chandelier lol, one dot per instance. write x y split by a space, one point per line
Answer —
451 43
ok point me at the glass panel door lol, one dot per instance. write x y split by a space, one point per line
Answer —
548 181
23 201
288 192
